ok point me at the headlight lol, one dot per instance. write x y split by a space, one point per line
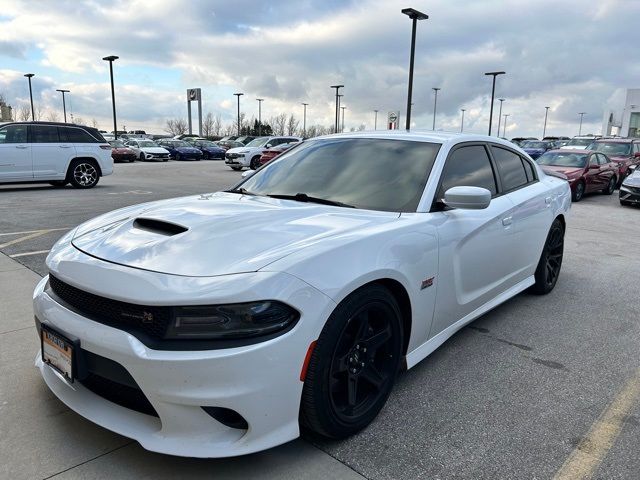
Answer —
239 320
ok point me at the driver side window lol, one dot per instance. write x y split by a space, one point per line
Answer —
593 160
467 166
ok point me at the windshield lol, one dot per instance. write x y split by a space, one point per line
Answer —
373 174
147 144
611 148
580 142
535 145
116 144
560 159
258 142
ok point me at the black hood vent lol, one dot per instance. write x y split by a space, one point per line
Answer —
159 226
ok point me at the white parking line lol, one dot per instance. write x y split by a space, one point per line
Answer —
35 234
25 254
33 231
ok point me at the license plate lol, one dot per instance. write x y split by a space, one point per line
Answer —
57 351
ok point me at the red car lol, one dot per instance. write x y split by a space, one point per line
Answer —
121 153
586 171
623 151
273 152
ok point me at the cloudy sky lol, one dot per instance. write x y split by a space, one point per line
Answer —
573 56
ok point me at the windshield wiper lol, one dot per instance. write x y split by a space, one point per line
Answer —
241 190
303 197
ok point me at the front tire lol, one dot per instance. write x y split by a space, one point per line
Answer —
237 169
354 364
550 261
143 158
178 157
611 186
83 174
578 193
255 162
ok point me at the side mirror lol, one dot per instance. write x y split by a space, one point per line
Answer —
636 154
467 198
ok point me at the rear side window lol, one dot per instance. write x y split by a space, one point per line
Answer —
77 135
468 166
13 134
44 134
510 167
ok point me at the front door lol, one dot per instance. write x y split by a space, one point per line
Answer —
15 154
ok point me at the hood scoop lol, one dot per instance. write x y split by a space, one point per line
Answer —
161 227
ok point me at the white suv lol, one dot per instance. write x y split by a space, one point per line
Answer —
57 153
249 155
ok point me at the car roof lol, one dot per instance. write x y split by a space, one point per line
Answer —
581 151
617 140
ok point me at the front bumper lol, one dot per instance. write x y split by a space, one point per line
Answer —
189 155
261 382
124 157
630 194
235 160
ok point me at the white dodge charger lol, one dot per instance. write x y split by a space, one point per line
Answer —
223 324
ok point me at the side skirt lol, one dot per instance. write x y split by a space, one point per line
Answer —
433 343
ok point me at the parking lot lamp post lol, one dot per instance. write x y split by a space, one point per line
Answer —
375 120
64 106
493 93
260 100
462 120
544 129
414 15
337 87
304 120
111 59
435 106
238 95
582 114
342 108
33 115
504 131
500 114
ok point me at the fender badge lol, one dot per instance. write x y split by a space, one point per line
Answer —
426 283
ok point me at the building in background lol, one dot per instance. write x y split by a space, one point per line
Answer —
624 122
6 114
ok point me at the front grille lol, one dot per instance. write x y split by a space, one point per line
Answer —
151 321
635 190
232 156
111 381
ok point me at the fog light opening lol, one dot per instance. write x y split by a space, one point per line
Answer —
227 417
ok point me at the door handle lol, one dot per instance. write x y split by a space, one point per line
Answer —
22 146
506 221
65 146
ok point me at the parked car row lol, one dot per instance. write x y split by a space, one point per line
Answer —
249 155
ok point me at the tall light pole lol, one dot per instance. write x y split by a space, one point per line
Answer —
342 108
582 114
111 59
238 95
500 115
64 106
337 87
435 106
414 15
33 114
504 131
462 120
260 100
375 120
544 129
493 93
304 120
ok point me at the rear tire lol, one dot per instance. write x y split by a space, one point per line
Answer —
83 174
578 193
237 169
550 262
142 157
611 186
354 364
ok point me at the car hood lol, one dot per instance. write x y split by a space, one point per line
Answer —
568 171
632 180
121 150
245 149
154 150
216 234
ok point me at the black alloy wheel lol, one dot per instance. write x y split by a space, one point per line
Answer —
354 364
578 193
255 162
550 262
611 186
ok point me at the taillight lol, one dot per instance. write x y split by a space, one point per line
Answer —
105 147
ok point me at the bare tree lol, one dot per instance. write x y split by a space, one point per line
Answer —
3 98
78 120
24 113
278 124
230 128
207 125
362 127
39 113
94 123
52 116
292 125
176 126
217 125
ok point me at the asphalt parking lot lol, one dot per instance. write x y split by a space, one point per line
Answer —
539 387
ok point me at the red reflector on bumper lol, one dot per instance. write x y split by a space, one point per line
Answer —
307 359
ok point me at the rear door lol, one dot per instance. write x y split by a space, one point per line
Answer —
476 247
50 155
15 154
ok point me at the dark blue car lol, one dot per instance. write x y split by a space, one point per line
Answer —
536 148
181 150
210 150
